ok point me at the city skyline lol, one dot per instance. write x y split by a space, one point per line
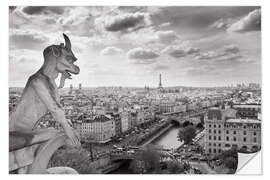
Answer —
131 46
160 85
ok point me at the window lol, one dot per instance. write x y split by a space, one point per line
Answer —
219 150
219 138
234 138
219 132
210 144
254 126
219 145
234 132
244 139
245 132
214 150
215 137
244 126
227 138
210 137
209 130
214 131
214 144
254 133
219 126
210 150
227 132
255 139
209 125
214 126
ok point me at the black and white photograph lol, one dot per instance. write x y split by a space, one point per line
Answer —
133 89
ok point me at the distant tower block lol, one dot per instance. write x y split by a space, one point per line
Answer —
70 89
160 84
80 86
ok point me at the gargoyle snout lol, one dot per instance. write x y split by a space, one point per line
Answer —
77 69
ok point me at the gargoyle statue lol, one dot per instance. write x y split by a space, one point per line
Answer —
40 94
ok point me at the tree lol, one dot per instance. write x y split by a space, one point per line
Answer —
89 143
175 167
186 123
186 134
147 161
228 153
230 162
199 125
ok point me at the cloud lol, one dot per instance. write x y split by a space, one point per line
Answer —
27 39
140 53
161 67
37 10
229 52
231 49
192 50
142 56
174 51
76 15
153 32
208 55
128 21
178 51
202 71
251 22
27 59
221 24
167 36
167 24
111 51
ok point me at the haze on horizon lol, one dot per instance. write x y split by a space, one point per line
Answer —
130 46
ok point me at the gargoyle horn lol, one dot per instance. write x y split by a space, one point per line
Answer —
68 47
67 42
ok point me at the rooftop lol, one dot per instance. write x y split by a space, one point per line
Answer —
243 121
247 105
229 113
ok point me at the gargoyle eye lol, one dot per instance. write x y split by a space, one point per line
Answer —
70 59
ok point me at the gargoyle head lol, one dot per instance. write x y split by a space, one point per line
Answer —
63 59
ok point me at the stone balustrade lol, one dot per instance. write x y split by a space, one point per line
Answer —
31 153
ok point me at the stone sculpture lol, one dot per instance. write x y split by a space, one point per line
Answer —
40 95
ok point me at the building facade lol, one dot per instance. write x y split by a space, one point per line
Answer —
224 131
125 119
248 110
101 129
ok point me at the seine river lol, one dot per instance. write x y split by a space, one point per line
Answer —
167 140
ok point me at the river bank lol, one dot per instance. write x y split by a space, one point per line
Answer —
167 138
105 165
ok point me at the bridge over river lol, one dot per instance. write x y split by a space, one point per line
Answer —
189 116
193 117
131 154
166 137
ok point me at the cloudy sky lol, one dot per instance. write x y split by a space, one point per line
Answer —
130 46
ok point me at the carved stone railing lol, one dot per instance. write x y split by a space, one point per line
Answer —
28 156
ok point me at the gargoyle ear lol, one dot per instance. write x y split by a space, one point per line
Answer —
56 51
